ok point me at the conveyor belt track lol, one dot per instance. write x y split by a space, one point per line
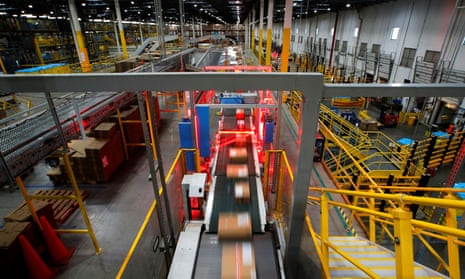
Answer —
224 200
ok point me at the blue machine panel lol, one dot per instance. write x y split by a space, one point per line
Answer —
232 100
203 123
187 141
269 130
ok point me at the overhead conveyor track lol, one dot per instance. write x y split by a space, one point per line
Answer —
28 138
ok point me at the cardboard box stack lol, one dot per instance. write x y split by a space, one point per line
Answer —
23 214
96 158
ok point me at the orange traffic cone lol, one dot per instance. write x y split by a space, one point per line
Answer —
36 267
59 254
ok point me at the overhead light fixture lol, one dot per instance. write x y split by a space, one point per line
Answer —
29 6
52 12
315 11
329 9
132 2
348 5
395 33
83 4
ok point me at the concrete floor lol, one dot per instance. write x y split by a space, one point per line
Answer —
117 209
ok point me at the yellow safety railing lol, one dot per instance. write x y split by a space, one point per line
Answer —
404 227
278 172
397 223
179 160
76 196
170 104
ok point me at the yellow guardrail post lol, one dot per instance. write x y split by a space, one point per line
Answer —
324 230
403 243
280 182
265 174
279 189
197 160
452 247
372 226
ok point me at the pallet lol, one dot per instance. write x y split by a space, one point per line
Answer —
62 208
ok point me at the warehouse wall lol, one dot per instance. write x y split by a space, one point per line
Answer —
423 24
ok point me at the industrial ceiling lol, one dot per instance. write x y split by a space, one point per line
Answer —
207 11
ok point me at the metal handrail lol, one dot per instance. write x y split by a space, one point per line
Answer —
178 158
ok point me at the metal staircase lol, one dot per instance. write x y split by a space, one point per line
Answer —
377 260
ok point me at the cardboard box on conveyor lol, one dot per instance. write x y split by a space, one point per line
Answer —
238 154
237 171
242 191
234 226
238 260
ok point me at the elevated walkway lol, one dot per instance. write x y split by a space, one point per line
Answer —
352 151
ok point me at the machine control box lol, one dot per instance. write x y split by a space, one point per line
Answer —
195 183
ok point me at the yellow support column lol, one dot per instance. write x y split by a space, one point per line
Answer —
253 39
403 243
269 33
324 229
452 247
121 30
81 46
28 201
82 52
286 35
260 34
77 192
38 52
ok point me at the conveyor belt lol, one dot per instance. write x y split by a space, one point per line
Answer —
225 202
227 141
208 263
